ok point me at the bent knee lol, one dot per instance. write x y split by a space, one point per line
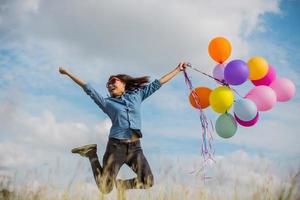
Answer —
105 189
105 186
148 181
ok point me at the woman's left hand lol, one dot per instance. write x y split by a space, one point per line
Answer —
182 66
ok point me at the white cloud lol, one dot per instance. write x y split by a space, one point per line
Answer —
148 36
24 133
13 155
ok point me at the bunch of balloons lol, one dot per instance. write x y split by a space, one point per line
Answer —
268 89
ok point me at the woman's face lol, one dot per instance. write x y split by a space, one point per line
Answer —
115 86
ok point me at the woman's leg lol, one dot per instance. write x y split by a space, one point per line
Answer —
96 167
139 164
90 151
113 160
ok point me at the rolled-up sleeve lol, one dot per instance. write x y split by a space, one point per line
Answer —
150 89
98 99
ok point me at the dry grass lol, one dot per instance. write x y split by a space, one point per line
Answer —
169 189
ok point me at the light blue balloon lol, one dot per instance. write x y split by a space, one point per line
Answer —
245 109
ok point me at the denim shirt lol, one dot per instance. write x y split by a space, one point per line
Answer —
124 111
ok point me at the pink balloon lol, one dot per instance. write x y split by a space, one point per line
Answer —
268 78
218 72
263 96
247 123
284 89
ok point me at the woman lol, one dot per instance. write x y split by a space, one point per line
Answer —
123 147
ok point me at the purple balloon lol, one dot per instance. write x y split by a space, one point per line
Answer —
218 72
268 78
247 123
236 72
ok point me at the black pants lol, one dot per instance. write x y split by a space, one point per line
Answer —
117 154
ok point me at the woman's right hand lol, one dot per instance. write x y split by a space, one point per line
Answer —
62 70
74 78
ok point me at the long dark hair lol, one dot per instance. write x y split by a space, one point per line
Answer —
132 83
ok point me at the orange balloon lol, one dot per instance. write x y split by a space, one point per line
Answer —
219 49
202 96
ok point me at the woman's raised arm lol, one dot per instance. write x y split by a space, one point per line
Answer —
73 77
173 73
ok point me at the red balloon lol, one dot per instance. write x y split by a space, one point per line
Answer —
267 79
247 123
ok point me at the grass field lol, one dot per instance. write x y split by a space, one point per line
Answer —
169 188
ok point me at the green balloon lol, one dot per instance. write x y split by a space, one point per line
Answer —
226 125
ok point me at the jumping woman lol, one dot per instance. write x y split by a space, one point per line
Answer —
123 147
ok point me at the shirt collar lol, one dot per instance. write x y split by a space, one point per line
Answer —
120 97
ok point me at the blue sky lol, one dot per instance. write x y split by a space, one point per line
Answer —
43 114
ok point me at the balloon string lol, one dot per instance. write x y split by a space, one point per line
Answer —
221 82
203 119
235 92
206 147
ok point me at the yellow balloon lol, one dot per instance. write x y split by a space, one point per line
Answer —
258 68
221 99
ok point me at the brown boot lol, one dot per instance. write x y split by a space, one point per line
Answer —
86 150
